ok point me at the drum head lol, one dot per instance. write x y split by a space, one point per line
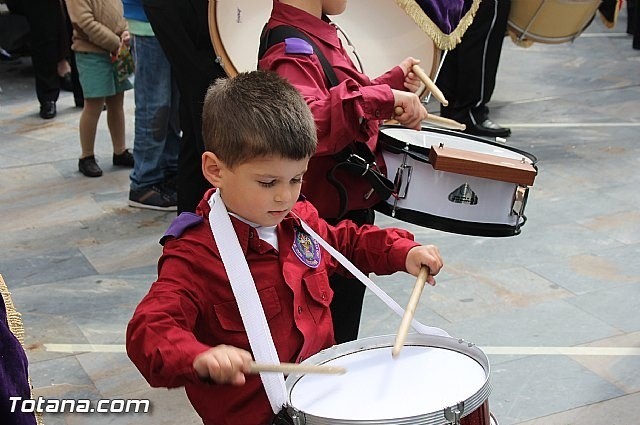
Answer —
425 378
383 35
235 27
550 21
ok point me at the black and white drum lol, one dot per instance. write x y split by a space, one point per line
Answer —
434 381
451 201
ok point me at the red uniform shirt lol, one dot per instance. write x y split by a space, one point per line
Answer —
191 307
348 112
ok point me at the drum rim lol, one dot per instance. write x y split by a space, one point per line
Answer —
222 56
454 344
424 150
452 225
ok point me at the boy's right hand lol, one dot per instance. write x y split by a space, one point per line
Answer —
409 111
223 364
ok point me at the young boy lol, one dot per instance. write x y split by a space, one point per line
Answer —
347 112
187 331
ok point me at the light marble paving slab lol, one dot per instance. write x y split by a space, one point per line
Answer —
621 371
585 273
474 295
538 386
553 323
617 307
622 410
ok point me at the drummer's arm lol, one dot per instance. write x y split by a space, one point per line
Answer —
160 340
341 112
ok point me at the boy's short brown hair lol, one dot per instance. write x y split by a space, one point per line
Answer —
256 114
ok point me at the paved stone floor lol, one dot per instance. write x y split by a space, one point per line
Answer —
555 308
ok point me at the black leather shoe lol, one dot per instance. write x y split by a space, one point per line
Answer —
66 83
47 109
124 159
488 128
89 167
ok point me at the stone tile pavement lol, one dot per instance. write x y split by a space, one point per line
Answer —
555 308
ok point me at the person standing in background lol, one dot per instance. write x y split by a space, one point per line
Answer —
50 49
157 129
182 28
99 33
468 76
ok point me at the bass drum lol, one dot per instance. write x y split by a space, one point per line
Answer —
381 34
549 21
436 380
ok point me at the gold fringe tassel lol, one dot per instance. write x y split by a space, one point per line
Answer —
16 327
442 41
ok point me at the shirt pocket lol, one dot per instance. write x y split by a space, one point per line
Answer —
319 294
228 313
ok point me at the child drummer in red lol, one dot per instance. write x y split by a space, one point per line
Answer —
348 107
187 331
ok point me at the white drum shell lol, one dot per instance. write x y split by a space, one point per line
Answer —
428 190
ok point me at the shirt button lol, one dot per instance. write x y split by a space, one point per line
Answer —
299 310
377 113
324 295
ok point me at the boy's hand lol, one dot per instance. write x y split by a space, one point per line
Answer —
411 81
223 364
424 255
409 111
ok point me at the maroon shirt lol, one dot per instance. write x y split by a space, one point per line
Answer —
191 306
348 112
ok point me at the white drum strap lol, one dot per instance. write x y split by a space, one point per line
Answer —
390 302
244 290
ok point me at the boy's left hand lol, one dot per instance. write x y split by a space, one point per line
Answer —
424 255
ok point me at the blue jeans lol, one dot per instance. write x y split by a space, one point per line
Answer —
156 141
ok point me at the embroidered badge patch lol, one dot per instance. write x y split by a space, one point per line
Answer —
307 250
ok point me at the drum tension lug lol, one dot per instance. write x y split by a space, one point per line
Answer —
454 413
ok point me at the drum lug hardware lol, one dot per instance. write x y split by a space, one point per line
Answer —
295 416
519 201
453 414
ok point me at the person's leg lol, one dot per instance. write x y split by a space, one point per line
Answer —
348 293
115 122
182 30
89 125
152 94
89 118
45 19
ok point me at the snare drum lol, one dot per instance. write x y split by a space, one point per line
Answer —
382 35
549 21
450 201
435 381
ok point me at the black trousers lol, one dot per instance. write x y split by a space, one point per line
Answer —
181 27
348 292
468 75
47 28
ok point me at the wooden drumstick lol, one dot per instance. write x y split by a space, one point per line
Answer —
431 86
295 368
410 311
442 121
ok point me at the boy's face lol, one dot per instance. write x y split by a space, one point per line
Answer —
262 190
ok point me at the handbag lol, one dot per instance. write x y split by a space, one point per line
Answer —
123 63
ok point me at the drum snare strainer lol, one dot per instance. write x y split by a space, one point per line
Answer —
435 380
